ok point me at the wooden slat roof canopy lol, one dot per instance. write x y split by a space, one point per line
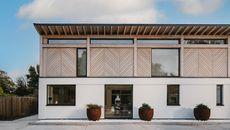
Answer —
133 29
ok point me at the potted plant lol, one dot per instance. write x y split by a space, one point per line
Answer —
202 112
93 112
146 112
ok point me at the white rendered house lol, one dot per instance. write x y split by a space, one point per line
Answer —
169 66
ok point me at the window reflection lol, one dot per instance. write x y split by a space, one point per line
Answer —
67 41
81 62
173 95
201 41
165 62
111 41
154 41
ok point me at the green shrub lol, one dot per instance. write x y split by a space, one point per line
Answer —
93 106
145 106
1 91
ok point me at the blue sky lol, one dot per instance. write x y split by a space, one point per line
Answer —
19 46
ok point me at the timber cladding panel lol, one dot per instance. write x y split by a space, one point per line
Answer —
144 62
205 62
59 62
111 62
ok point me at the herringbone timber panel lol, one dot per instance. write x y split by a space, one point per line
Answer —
126 62
97 58
68 59
220 62
52 62
111 62
191 62
144 62
205 63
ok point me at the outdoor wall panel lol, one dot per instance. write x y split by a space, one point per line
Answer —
111 62
220 63
191 62
144 62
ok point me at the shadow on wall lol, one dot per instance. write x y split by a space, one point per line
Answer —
184 113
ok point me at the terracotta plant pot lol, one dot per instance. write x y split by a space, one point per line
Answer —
202 114
146 114
93 114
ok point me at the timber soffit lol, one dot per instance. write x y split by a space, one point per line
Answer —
134 29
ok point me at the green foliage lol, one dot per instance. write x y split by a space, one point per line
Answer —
1 91
93 106
32 79
145 106
202 106
22 88
6 82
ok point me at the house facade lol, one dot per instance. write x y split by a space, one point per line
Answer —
172 67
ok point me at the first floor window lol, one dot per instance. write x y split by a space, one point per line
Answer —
219 95
81 62
61 95
165 62
173 95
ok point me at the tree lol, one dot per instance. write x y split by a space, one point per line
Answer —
1 91
6 83
32 78
22 88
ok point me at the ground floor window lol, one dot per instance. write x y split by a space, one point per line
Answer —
173 95
219 95
61 95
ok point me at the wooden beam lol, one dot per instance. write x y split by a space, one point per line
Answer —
198 30
98 30
166 28
189 33
124 30
83 27
104 30
64 30
219 30
186 28
138 29
70 28
111 30
91 30
171 30
151 30
144 30
203 31
226 30
131 30
158 30
50 29
117 30
43 29
210 32
57 30
77 30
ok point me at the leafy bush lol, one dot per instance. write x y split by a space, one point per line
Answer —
145 106
93 106
1 91
202 106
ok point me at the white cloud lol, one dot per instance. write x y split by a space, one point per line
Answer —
16 74
120 11
199 7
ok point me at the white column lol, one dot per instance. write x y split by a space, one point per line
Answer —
182 57
88 56
228 42
135 57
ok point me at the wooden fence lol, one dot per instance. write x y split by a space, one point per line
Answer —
12 107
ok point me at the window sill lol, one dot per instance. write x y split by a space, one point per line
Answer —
60 105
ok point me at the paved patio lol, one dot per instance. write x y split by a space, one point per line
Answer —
32 123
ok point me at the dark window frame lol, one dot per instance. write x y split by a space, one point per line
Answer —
225 42
179 66
179 41
77 64
111 39
178 103
47 94
66 39
221 95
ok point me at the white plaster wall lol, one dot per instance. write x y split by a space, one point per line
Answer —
145 90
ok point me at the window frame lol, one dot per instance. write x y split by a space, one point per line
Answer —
179 66
112 39
225 42
179 41
77 64
178 103
47 94
67 39
221 95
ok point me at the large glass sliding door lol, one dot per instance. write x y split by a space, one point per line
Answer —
118 101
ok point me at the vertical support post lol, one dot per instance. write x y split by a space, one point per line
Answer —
135 57
228 68
182 57
41 58
88 56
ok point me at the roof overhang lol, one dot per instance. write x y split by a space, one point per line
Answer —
134 29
